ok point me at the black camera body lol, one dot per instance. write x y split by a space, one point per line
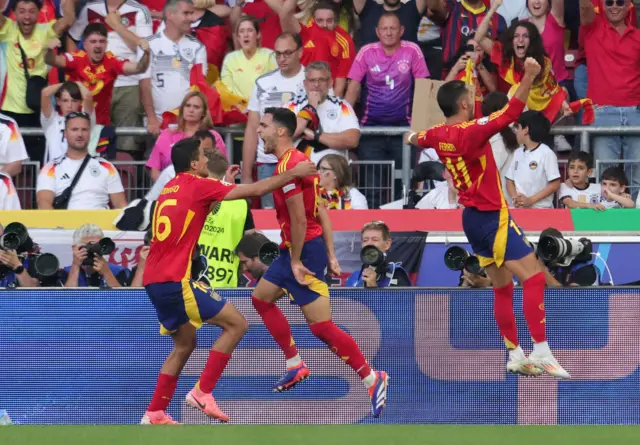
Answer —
103 247
456 258
373 257
268 253
43 266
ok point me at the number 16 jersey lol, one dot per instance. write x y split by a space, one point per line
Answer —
178 218
465 151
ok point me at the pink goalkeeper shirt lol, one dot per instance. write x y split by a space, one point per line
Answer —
161 154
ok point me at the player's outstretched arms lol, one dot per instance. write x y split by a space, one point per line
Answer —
268 185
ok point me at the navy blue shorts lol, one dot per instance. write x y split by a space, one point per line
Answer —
314 257
188 301
494 236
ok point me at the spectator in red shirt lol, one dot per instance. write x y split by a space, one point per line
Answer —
96 67
612 47
322 39
269 21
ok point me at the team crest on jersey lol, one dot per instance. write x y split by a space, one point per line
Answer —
187 53
332 114
403 66
94 171
594 199
483 121
125 22
335 50
533 165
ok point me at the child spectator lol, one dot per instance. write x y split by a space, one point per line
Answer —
534 176
577 193
614 184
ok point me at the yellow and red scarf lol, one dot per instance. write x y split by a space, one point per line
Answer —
470 77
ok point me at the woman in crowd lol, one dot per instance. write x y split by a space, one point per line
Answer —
335 184
520 41
503 144
242 67
193 116
70 97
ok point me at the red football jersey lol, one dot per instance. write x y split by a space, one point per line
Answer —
310 189
99 79
178 218
465 150
336 48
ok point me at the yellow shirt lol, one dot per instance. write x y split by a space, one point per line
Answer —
11 70
239 74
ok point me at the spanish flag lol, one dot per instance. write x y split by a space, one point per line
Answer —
470 77
545 96
225 107
588 116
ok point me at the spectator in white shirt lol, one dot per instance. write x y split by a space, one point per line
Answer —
98 183
503 144
443 197
614 185
8 196
533 177
12 149
174 53
335 184
577 193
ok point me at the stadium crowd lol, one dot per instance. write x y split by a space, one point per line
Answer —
79 69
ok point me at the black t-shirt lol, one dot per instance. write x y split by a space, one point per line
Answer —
370 15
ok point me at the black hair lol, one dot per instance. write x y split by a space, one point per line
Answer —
537 124
95 28
535 50
283 117
77 115
448 96
615 174
184 152
582 157
250 244
551 231
322 5
70 87
205 134
35 2
292 35
496 101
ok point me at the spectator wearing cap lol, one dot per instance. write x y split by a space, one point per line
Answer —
612 48
98 183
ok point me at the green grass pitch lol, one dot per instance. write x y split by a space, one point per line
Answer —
319 435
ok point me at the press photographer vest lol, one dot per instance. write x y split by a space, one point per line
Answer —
222 231
355 280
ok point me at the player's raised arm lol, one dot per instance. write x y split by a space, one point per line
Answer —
270 184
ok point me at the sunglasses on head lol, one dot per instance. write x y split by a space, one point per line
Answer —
616 2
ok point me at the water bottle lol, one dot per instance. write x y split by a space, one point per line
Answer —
4 418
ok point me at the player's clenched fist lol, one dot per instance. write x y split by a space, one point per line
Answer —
531 67
303 169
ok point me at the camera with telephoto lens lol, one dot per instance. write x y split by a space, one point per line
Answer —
43 266
268 253
373 257
103 247
456 258
557 251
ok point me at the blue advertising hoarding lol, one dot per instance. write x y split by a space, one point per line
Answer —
92 356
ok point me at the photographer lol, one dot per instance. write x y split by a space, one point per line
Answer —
376 270
248 252
14 268
89 267
570 262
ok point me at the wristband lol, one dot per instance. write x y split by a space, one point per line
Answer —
18 270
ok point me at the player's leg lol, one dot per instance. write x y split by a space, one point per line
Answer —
264 298
502 280
318 316
234 326
529 271
184 340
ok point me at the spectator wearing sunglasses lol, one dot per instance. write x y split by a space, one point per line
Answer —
612 47
98 183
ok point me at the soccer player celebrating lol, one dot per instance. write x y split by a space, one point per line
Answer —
306 252
496 239
182 304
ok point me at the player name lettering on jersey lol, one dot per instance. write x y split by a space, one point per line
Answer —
173 189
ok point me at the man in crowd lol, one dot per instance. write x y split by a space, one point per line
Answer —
12 149
326 123
409 13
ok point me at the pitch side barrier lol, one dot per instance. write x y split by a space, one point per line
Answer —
84 356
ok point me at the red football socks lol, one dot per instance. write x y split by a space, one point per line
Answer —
213 370
277 325
343 345
163 394
533 307
504 315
